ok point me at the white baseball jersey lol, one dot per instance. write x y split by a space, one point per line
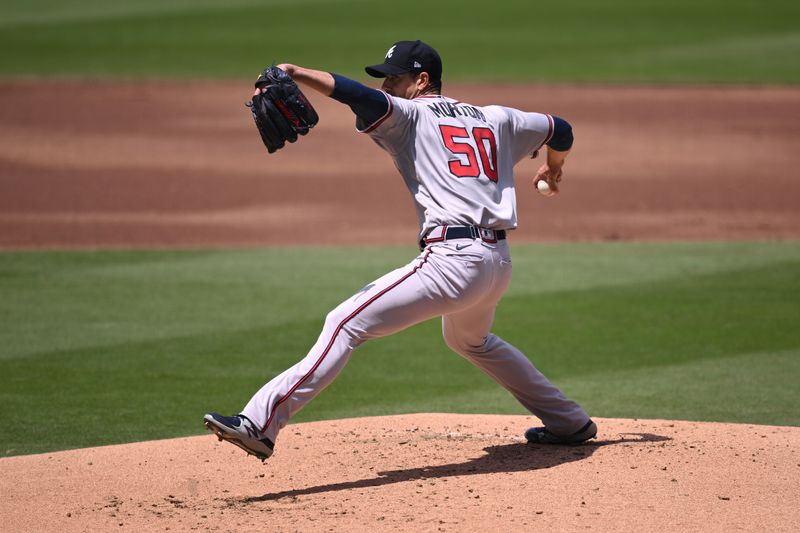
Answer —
456 159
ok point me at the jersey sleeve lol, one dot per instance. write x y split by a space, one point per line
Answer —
392 130
367 103
528 131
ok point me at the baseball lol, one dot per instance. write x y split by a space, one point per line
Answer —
544 188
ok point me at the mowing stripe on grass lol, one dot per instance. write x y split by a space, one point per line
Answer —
138 345
618 41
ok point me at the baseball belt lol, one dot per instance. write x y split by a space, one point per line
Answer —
444 233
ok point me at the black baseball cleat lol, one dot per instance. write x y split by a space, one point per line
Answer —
544 436
241 431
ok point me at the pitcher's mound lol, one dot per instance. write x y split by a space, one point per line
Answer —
422 472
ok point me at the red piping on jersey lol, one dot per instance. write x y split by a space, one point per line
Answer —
550 128
455 102
384 117
336 333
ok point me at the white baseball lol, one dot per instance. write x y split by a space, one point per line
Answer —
544 188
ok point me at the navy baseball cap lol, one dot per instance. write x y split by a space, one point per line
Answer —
409 56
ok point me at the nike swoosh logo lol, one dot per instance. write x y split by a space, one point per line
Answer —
358 294
462 246
365 289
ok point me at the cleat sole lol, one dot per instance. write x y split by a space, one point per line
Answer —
221 435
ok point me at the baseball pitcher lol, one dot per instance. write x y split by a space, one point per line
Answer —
457 161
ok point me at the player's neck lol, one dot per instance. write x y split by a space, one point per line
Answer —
428 92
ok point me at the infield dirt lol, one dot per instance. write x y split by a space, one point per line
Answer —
180 165
168 164
422 472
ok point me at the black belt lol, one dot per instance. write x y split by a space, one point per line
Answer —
462 232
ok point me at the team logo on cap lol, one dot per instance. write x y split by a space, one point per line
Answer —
390 52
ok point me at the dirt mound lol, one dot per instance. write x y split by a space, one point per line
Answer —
423 472
170 164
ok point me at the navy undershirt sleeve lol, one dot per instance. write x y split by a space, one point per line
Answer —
368 104
562 135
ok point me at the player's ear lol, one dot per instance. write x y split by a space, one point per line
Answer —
423 81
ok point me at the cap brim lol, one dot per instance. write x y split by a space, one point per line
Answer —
385 69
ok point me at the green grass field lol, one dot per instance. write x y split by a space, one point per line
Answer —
662 41
109 347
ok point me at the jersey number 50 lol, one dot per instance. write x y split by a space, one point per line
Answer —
481 137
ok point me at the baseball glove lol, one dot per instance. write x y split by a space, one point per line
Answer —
281 111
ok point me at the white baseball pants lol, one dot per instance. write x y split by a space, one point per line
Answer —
461 280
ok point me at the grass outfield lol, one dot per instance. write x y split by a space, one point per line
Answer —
672 41
109 347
